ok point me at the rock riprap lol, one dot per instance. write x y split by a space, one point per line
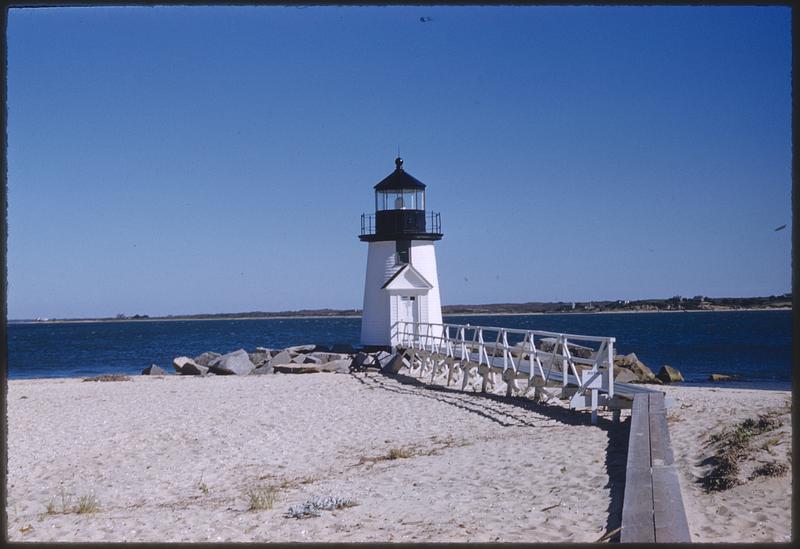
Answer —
297 359
235 363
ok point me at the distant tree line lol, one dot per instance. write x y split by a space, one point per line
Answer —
674 303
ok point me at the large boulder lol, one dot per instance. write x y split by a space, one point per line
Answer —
206 358
323 356
631 362
187 367
668 374
265 368
235 363
307 359
338 366
154 370
300 368
724 377
361 360
383 358
394 364
259 358
621 375
283 357
546 344
301 349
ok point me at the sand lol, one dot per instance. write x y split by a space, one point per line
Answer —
173 459
756 510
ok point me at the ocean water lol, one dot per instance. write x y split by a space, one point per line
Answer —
754 344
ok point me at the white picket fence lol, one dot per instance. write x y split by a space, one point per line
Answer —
439 349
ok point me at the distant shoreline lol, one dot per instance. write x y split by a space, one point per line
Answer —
318 317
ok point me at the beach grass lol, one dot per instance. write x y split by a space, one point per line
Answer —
260 497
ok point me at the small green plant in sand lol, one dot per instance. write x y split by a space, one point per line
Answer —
734 448
399 453
770 469
260 497
202 486
87 504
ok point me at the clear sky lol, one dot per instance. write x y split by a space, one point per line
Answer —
184 160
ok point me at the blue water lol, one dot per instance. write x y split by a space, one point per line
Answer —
753 344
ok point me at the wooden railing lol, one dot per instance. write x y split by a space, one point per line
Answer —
515 354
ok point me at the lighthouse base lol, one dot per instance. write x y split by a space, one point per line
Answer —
399 288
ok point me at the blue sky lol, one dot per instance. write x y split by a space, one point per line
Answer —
182 160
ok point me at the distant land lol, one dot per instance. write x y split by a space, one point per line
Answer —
675 303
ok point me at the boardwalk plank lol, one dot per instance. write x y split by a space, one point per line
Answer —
671 525
660 447
637 508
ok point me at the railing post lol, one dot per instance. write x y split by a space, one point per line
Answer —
610 352
564 365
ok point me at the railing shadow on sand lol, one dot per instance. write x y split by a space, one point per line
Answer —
479 403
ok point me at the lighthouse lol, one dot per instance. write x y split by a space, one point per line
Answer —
401 282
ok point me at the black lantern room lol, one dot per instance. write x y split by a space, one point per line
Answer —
400 210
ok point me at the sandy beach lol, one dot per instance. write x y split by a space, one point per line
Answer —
177 458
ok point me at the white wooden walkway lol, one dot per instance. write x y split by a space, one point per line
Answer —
653 508
582 365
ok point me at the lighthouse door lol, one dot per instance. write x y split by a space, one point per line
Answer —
407 310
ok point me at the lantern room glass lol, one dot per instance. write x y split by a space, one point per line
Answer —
399 199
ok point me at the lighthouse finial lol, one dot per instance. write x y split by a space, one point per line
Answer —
399 163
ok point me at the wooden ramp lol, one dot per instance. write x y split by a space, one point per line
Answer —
652 511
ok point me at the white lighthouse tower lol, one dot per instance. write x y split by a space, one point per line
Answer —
401 283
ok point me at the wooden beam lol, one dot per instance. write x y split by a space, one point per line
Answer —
671 525
637 508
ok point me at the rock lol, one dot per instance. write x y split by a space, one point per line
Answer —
266 368
258 358
394 364
313 360
546 344
238 363
338 366
301 349
383 358
299 369
363 359
298 359
668 374
623 375
631 362
206 358
187 367
264 350
323 356
154 370
724 377
626 360
282 357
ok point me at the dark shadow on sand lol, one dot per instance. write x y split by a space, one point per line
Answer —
616 454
